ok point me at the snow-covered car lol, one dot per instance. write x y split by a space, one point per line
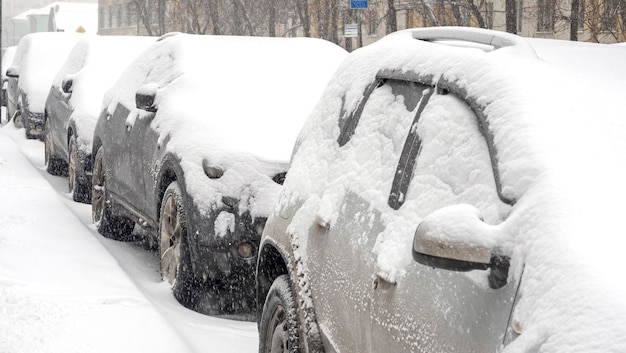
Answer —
7 60
455 190
74 103
11 78
38 58
193 144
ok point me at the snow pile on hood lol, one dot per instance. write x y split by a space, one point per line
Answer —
39 56
556 112
236 102
93 66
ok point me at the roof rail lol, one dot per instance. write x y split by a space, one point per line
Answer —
468 34
168 35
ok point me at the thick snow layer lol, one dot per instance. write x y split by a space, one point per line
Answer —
93 65
556 113
39 56
236 102
64 288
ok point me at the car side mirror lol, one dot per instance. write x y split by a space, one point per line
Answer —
455 238
145 98
13 72
68 85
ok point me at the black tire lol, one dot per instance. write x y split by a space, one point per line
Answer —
54 166
279 330
80 190
172 230
117 228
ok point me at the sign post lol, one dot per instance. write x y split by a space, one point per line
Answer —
349 31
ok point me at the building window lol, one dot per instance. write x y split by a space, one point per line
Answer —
489 15
520 15
609 14
545 15
101 17
129 14
110 16
118 13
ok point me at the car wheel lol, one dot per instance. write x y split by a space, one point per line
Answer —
79 190
172 230
118 228
17 120
279 331
54 166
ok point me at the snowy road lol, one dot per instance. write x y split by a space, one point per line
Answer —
64 288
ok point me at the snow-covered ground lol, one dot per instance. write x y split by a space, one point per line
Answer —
64 288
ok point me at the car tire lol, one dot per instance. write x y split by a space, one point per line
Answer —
173 255
117 228
77 187
279 331
54 166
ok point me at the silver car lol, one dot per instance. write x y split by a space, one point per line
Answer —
434 202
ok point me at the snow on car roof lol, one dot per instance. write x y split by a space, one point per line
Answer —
557 119
241 93
93 65
40 55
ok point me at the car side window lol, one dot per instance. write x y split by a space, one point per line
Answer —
376 136
446 161
407 93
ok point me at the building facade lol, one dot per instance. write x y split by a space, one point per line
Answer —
592 20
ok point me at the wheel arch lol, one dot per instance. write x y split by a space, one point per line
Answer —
169 172
270 265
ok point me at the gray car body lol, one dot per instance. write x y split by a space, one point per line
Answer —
141 157
35 75
82 75
345 301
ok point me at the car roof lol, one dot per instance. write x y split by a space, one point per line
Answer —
527 89
250 93
40 56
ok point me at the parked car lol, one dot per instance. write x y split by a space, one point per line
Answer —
7 59
74 103
10 91
454 190
192 145
37 59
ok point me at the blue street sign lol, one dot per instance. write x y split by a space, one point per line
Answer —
358 4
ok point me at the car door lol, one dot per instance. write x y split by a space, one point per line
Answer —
144 151
445 161
124 175
349 218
